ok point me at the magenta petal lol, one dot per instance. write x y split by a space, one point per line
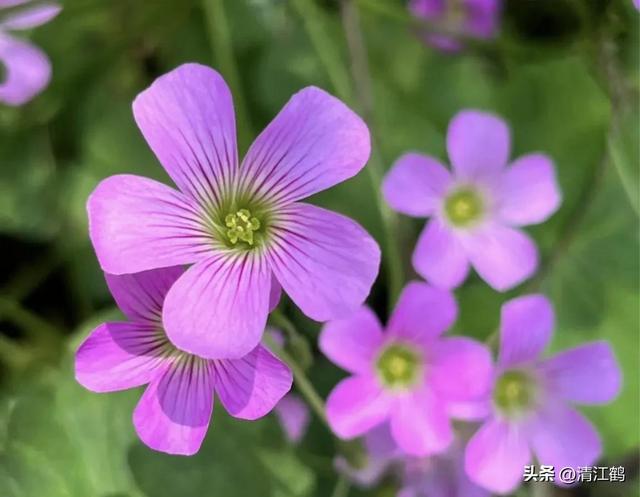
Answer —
422 313
30 17
187 118
420 424
502 256
249 388
526 325
117 356
315 142
325 262
137 224
356 405
478 144
27 70
274 294
529 191
352 342
174 412
588 374
294 417
416 184
218 308
439 256
473 410
496 456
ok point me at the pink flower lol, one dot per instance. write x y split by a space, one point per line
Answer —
27 69
530 404
241 227
477 208
174 411
409 375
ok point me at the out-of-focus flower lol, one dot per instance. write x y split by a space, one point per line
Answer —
477 208
469 18
530 405
294 417
241 226
174 411
637 4
26 69
408 375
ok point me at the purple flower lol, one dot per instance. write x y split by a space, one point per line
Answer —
637 4
409 375
174 411
530 405
477 208
472 18
241 226
294 417
27 69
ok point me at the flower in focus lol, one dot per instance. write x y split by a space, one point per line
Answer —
530 404
174 412
408 375
472 18
25 70
477 208
240 226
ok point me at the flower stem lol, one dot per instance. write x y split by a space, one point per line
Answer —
342 487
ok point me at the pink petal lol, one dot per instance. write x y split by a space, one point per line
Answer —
117 356
529 191
30 17
416 184
218 308
496 456
422 313
137 224
294 417
250 388
502 256
352 342
326 262
439 257
356 405
526 326
315 142
274 294
588 374
470 410
478 144
187 118
27 70
174 412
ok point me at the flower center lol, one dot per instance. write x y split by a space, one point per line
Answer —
463 207
398 366
241 226
515 392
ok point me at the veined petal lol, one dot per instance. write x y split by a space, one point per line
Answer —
31 16
27 70
315 142
187 118
137 224
174 412
117 356
218 308
274 294
325 262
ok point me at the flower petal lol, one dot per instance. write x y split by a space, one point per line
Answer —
274 294
422 313
326 262
117 356
439 256
352 342
187 118
588 374
526 326
30 17
218 308
529 191
416 184
478 144
174 412
137 224
250 388
356 405
315 142
502 256
27 70
496 456
294 417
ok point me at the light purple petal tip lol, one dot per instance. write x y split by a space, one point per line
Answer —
294 417
27 70
30 17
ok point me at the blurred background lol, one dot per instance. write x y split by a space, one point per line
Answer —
564 73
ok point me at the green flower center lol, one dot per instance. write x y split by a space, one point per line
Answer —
398 366
515 391
241 226
463 207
